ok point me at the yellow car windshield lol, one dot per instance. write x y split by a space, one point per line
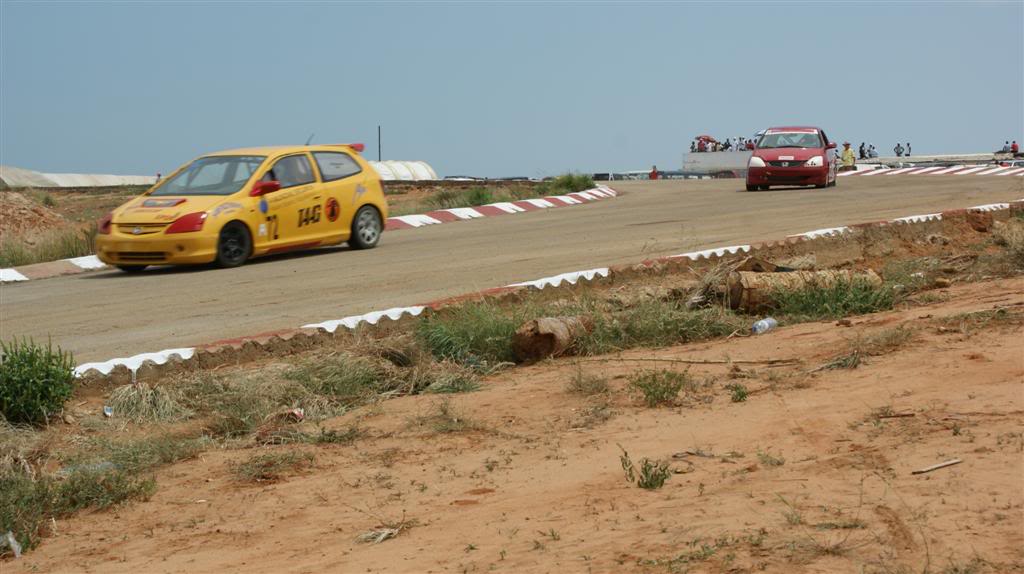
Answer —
212 175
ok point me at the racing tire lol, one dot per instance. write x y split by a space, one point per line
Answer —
234 245
366 228
752 187
132 268
763 188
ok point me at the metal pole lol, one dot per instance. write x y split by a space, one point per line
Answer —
378 144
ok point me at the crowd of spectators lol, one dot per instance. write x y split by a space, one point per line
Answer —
867 151
708 144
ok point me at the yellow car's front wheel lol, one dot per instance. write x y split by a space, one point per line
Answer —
234 245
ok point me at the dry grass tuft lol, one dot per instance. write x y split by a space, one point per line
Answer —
140 402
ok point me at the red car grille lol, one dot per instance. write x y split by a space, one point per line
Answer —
786 163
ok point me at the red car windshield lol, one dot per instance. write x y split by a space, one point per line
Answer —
790 139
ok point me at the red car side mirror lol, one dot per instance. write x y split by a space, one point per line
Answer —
264 187
831 145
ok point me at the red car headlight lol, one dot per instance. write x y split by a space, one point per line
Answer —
188 223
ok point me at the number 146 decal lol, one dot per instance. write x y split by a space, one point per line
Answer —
309 215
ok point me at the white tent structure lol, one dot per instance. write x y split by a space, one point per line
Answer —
18 177
392 170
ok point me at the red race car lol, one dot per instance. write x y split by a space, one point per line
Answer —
792 156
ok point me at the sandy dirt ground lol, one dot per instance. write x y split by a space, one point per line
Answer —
811 474
108 314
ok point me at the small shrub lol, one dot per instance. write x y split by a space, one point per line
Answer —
27 503
655 323
793 517
341 379
566 183
446 199
911 275
347 436
19 447
854 524
444 418
587 384
146 454
738 392
850 360
271 466
972 322
477 196
875 344
235 409
34 381
657 388
476 335
768 459
25 507
102 488
651 475
454 382
976 565
592 415
835 301
884 341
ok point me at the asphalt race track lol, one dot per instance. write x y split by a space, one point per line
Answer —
109 314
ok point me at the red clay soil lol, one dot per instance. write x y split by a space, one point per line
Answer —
21 217
811 473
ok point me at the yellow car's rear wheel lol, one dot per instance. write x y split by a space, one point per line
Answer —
132 268
234 245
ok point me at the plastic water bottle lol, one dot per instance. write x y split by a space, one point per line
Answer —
764 325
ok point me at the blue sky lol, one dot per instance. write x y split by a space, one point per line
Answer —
497 89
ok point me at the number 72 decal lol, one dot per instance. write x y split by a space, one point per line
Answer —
309 215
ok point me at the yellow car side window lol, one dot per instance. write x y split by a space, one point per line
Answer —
291 171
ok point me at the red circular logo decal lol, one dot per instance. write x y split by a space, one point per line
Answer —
332 209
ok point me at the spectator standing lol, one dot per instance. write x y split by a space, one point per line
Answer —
701 146
849 161
908 150
898 150
1014 148
863 151
693 147
654 172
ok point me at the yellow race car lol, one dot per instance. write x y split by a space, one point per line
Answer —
232 205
